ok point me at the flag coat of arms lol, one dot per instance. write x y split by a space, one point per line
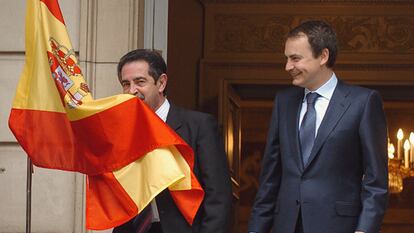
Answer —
128 154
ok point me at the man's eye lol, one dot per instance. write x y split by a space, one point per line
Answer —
125 84
140 82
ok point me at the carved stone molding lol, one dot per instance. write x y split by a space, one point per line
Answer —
356 34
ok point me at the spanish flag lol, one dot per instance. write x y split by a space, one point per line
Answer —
128 154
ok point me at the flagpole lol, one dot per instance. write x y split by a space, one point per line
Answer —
29 194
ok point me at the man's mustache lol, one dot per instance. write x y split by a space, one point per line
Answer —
141 96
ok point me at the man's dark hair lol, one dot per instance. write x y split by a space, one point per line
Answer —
156 63
320 36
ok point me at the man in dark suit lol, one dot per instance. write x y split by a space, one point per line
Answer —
325 163
143 73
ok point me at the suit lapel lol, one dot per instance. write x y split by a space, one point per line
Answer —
337 107
292 123
173 119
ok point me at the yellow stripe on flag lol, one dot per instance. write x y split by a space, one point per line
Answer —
34 91
147 177
92 107
183 184
42 91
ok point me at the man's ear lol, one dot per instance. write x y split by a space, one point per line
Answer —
162 82
324 56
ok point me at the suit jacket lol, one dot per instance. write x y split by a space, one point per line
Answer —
200 131
344 185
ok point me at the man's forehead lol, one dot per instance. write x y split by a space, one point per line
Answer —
300 38
138 66
297 44
139 62
134 78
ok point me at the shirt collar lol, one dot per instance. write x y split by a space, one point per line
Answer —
162 111
327 89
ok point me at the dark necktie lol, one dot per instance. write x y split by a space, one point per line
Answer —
308 127
139 224
142 222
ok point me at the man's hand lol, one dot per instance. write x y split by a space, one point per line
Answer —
359 232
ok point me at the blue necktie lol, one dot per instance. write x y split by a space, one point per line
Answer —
308 127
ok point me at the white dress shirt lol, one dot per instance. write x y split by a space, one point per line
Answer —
163 110
321 103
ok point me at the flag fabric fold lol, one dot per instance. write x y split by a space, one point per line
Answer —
128 153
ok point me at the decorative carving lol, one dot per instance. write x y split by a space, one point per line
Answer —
361 34
375 34
244 33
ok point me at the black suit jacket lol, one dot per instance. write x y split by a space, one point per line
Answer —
344 185
200 131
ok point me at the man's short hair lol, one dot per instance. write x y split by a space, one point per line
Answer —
320 36
156 63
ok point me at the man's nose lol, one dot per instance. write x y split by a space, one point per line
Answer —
288 66
132 89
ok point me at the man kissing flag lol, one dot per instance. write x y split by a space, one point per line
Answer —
128 158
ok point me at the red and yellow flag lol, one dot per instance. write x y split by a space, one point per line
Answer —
128 153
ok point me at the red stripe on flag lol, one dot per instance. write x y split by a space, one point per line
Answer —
45 136
128 130
54 8
188 201
107 203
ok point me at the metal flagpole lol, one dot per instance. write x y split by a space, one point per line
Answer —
29 194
